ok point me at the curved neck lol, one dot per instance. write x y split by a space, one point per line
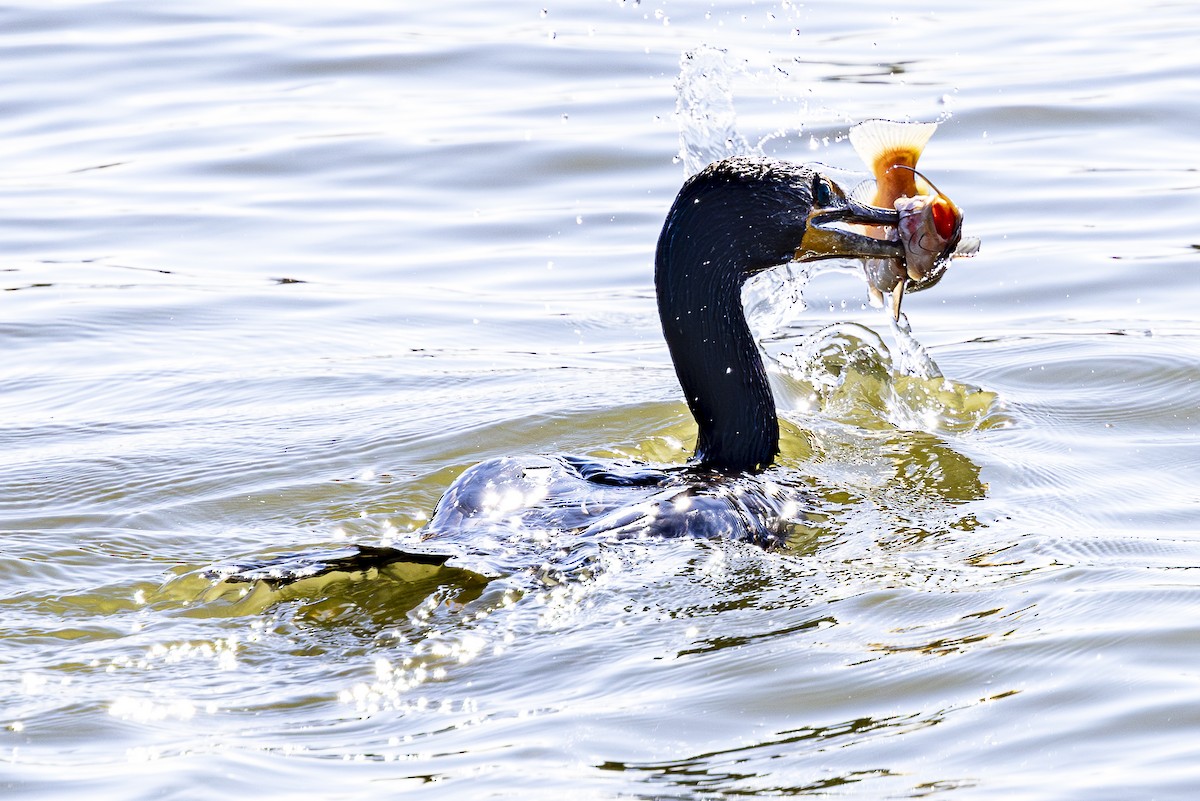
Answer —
699 272
723 378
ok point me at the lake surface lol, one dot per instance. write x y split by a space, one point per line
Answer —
276 273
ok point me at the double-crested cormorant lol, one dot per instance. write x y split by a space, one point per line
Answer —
730 221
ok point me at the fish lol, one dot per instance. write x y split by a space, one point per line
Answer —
930 223
930 229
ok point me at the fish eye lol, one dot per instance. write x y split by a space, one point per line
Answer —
943 218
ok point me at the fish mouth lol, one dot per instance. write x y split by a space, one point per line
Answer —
824 238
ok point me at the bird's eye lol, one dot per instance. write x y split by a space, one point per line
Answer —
822 192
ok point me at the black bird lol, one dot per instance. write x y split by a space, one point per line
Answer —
732 220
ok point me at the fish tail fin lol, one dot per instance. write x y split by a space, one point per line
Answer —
886 144
876 140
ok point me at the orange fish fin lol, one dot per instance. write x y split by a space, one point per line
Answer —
884 144
875 139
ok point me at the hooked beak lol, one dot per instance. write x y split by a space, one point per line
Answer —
824 241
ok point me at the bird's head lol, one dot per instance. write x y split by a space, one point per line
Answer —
827 235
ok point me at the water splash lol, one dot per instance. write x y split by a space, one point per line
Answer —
708 132
704 108
911 357
846 372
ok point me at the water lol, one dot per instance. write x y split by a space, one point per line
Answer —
276 274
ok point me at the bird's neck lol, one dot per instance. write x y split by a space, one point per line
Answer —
716 358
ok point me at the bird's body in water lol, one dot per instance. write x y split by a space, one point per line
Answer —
731 221
518 495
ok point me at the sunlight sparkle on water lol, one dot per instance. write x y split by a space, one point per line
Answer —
393 684
145 710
